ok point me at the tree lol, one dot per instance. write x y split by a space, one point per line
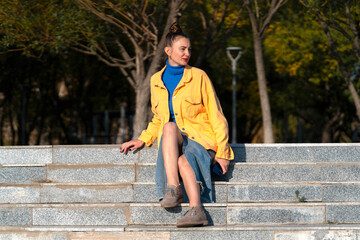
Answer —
140 55
310 86
127 35
345 21
260 24
211 24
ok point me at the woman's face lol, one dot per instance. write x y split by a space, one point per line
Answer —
180 51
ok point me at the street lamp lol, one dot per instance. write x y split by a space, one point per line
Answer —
233 61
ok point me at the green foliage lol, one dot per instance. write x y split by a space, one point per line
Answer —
307 88
38 26
299 49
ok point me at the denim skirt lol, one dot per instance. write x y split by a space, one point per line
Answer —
199 159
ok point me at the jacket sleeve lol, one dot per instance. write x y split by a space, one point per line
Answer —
150 134
217 119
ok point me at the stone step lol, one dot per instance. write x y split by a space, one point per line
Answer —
250 153
145 172
24 215
146 192
290 232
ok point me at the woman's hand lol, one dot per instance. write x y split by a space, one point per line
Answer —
224 164
131 145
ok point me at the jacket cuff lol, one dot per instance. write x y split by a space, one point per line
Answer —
225 153
146 138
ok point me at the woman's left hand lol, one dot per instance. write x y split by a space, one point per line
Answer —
224 164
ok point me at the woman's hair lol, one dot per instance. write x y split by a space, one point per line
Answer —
174 32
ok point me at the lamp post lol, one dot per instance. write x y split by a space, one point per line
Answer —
233 61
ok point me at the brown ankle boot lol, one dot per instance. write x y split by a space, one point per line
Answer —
195 216
173 197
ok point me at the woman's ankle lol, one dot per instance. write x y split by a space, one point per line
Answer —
194 204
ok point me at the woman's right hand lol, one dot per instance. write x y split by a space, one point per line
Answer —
131 145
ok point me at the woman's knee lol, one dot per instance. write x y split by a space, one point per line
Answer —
182 162
169 128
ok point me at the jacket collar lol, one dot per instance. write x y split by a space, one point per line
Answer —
187 76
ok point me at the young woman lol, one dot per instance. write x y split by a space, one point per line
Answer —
191 128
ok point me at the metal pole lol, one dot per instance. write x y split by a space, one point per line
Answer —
233 63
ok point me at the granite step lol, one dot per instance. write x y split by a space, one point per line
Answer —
290 232
128 214
225 192
250 153
145 172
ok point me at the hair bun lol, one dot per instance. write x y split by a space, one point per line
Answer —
175 28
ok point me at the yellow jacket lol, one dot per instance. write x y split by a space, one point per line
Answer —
197 110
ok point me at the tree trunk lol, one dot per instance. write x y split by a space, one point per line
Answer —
264 98
355 97
259 25
343 69
141 109
143 90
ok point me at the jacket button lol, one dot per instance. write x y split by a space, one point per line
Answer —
183 129
192 138
175 114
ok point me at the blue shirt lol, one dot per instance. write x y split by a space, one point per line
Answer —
171 78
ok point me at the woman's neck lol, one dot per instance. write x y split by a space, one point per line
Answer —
174 70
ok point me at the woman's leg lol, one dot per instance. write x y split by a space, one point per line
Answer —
172 142
191 186
195 216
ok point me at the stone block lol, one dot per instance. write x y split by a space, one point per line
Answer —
158 216
76 215
265 193
148 155
220 193
337 153
343 213
120 235
276 215
87 194
341 193
19 194
318 235
215 215
269 153
15 217
22 175
25 155
86 154
339 173
145 193
222 235
33 236
92 174
154 215
272 173
145 173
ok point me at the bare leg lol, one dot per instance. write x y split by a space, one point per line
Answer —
171 145
191 186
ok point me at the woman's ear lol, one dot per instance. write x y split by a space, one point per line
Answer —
167 50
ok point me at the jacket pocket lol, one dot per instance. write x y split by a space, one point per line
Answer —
192 107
